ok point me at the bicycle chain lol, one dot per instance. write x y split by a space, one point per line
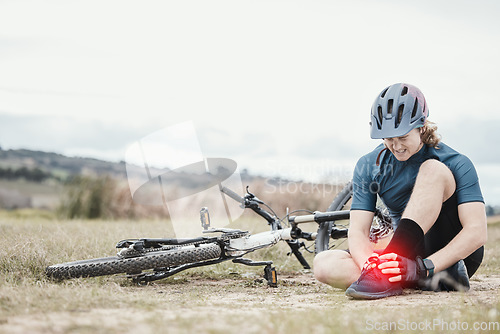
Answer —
233 235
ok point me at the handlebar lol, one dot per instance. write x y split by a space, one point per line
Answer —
320 217
233 195
252 202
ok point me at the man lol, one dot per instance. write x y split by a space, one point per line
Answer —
434 198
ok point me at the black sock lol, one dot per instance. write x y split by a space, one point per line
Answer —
408 240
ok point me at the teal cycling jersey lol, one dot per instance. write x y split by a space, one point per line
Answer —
380 173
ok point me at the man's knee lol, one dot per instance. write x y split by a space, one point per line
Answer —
326 262
435 172
335 268
433 168
321 265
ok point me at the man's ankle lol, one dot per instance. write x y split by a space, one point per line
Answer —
408 240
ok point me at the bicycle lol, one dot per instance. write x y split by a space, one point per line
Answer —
164 257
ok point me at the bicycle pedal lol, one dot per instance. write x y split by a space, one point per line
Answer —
271 276
338 233
205 218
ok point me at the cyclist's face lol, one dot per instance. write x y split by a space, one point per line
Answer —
406 146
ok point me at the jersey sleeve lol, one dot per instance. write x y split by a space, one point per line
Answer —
468 189
363 197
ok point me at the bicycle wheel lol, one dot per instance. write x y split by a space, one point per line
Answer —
115 265
325 229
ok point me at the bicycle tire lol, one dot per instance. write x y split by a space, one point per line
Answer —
322 241
115 265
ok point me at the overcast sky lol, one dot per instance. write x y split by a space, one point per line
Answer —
282 87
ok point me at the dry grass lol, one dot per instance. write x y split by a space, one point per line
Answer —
218 299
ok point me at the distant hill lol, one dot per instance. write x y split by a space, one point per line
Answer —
62 167
59 165
36 179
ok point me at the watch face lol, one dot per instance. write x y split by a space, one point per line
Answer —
428 264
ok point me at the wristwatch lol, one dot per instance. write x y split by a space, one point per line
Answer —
429 266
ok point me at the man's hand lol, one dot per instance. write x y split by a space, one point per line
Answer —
401 268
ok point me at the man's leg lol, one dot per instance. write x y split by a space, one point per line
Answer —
447 226
336 268
434 185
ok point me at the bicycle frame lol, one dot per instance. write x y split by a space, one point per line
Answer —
169 256
250 201
234 248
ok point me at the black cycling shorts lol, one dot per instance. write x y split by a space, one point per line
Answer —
446 227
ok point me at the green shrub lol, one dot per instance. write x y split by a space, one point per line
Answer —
103 198
88 197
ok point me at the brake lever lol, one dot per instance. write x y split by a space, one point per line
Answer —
249 193
252 197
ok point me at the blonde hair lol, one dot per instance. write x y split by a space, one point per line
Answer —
429 134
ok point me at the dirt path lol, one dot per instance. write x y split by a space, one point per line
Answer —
197 302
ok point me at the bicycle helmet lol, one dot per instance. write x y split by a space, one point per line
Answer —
397 110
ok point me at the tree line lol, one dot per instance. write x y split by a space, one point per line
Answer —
36 174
